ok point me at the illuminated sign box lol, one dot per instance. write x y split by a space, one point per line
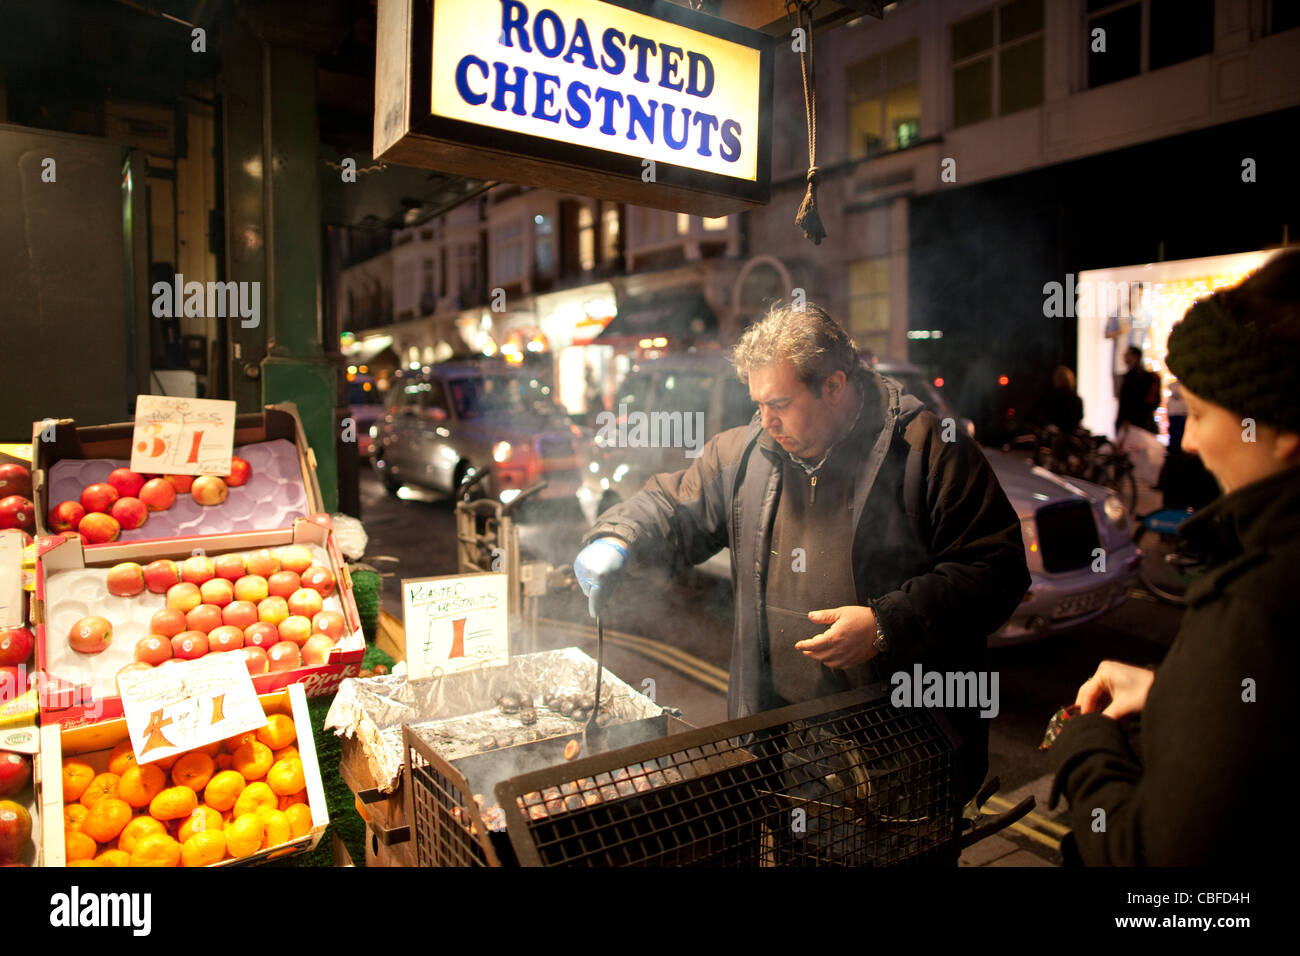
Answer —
647 103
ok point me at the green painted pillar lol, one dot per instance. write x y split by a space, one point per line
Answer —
295 368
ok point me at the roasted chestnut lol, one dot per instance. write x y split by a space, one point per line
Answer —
525 700
566 707
528 716
487 743
509 703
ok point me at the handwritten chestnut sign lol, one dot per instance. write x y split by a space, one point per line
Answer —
182 436
455 622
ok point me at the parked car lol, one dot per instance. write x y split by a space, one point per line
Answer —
449 421
1078 536
365 408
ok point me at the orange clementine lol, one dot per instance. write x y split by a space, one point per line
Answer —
223 761
74 814
253 797
174 803
253 760
193 770
285 777
78 846
104 785
137 830
106 819
279 732
204 849
84 863
293 799
299 819
114 858
203 818
121 758
77 775
224 789
244 835
157 849
140 784
234 743
287 753
278 827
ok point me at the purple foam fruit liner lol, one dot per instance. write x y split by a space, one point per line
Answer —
272 498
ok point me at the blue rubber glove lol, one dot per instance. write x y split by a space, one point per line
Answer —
599 568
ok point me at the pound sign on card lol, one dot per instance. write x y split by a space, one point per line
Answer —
154 733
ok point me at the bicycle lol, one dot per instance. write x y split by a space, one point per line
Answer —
1083 455
1169 565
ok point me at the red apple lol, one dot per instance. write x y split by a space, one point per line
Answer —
65 516
17 512
261 634
263 561
15 772
135 666
14 682
306 602
239 614
319 579
316 651
184 596
90 635
209 490
330 623
203 618
283 583
99 528
154 649
284 656
188 645
257 661
240 472
251 587
229 566
168 622
198 568
126 482
157 494
273 610
130 513
160 575
295 628
15 830
125 579
296 558
99 497
16 645
225 638
15 479
218 591
181 484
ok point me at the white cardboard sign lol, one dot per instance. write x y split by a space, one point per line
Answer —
186 706
454 623
11 580
182 436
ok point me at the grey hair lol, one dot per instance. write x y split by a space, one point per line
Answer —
814 343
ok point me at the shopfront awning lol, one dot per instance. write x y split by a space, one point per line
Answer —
677 317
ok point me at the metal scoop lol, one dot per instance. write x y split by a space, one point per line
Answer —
591 727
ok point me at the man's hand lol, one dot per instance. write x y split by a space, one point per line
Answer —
599 568
848 640
1120 688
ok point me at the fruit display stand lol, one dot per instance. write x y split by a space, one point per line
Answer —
93 744
69 459
19 750
73 585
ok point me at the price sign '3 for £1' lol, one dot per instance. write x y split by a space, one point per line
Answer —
182 436
189 705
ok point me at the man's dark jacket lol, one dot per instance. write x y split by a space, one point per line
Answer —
937 550
1218 723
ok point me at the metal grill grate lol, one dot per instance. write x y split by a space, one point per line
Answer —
438 801
847 780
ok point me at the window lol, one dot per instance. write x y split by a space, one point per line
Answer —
586 239
869 304
609 234
467 277
715 225
997 62
683 224
884 102
508 252
544 244
1141 35
428 301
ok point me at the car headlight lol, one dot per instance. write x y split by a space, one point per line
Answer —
1115 511
374 432
501 451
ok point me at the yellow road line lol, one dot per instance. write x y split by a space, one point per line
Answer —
1029 832
1050 825
687 664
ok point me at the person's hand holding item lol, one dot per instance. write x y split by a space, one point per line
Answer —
599 568
1119 688
847 642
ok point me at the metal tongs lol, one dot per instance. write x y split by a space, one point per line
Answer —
591 727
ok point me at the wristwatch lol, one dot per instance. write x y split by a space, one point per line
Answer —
880 642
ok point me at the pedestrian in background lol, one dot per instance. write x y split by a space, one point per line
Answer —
1139 394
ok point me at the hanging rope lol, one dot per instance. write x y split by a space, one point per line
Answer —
807 218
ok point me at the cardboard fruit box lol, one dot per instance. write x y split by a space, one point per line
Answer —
95 742
24 738
71 583
283 487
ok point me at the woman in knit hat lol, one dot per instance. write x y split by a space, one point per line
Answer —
1216 719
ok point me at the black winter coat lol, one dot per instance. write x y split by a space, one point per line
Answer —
1216 729
937 550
